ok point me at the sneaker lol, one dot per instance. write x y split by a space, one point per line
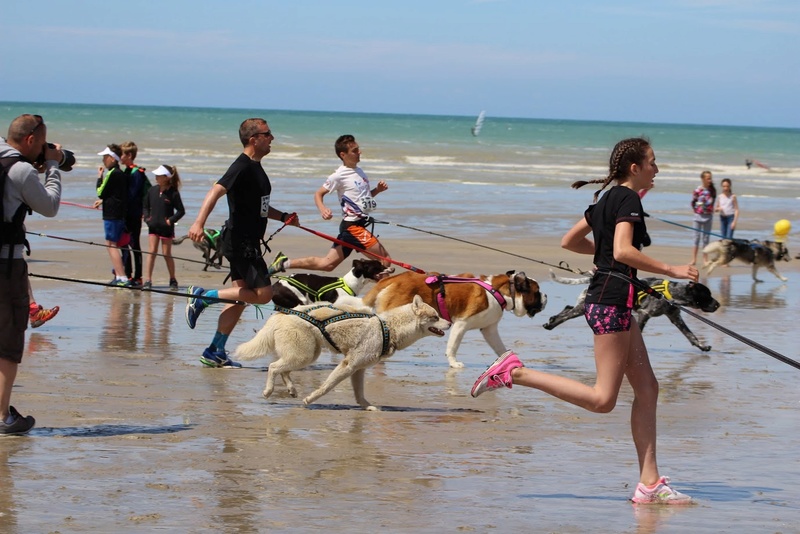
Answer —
173 284
136 282
42 315
277 265
660 493
219 359
121 283
498 374
195 306
147 285
20 425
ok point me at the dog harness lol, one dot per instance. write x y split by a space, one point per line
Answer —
443 279
344 315
316 294
662 287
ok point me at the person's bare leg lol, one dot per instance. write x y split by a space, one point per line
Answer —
231 313
151 258
326 263
8 373
166 250
611 354
643 410
379 250
116 258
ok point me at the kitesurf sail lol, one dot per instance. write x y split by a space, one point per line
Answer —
478 124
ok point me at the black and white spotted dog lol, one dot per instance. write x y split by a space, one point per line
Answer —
689 294
307 288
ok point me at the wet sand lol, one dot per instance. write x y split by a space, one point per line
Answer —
133 434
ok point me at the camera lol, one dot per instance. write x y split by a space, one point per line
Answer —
67 158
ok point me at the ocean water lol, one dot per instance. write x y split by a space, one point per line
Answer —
438 171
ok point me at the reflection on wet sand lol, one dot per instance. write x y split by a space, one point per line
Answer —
9 471
138 322
745 294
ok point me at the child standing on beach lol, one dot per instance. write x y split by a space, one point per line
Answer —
163 208
618 229
138 185
728 209
112 190
703 206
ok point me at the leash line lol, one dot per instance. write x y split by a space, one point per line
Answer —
78 205
747 341
162 291
38 234
561 265
363 251
685 226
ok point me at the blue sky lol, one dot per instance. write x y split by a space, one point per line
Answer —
729 62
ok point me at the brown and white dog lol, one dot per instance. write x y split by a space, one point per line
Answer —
469 305
755 253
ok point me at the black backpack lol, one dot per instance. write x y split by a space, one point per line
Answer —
13 232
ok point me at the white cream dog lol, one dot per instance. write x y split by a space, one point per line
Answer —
298 336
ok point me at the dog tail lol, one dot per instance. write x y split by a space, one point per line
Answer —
260 346
179 240
572 281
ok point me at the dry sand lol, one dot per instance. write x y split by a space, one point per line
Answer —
133 434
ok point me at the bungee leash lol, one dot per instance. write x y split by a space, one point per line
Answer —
138 289
561 265
78 205
363 251
685 226
747 341
39 234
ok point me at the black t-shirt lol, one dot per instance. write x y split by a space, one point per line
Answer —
619 204
248 195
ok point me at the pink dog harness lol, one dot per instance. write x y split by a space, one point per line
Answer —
443 279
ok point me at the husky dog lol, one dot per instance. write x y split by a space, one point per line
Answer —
298 336
755 253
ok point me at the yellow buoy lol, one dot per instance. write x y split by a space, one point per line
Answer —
783 227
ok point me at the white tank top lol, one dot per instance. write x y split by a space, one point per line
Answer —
726 205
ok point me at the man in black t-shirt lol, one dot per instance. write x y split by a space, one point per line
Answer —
248 191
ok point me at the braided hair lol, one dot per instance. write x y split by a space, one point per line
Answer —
625 153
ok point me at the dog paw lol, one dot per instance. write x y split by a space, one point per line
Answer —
292 392
372 408
705 348
456 364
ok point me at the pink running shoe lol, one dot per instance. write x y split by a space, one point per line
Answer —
660 493
42 315
498 374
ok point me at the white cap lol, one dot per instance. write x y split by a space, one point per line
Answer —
162 171
108 152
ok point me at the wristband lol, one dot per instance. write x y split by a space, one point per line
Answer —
284 216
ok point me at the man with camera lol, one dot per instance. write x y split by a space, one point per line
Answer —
23 155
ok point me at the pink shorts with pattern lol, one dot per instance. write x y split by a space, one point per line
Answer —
605 319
